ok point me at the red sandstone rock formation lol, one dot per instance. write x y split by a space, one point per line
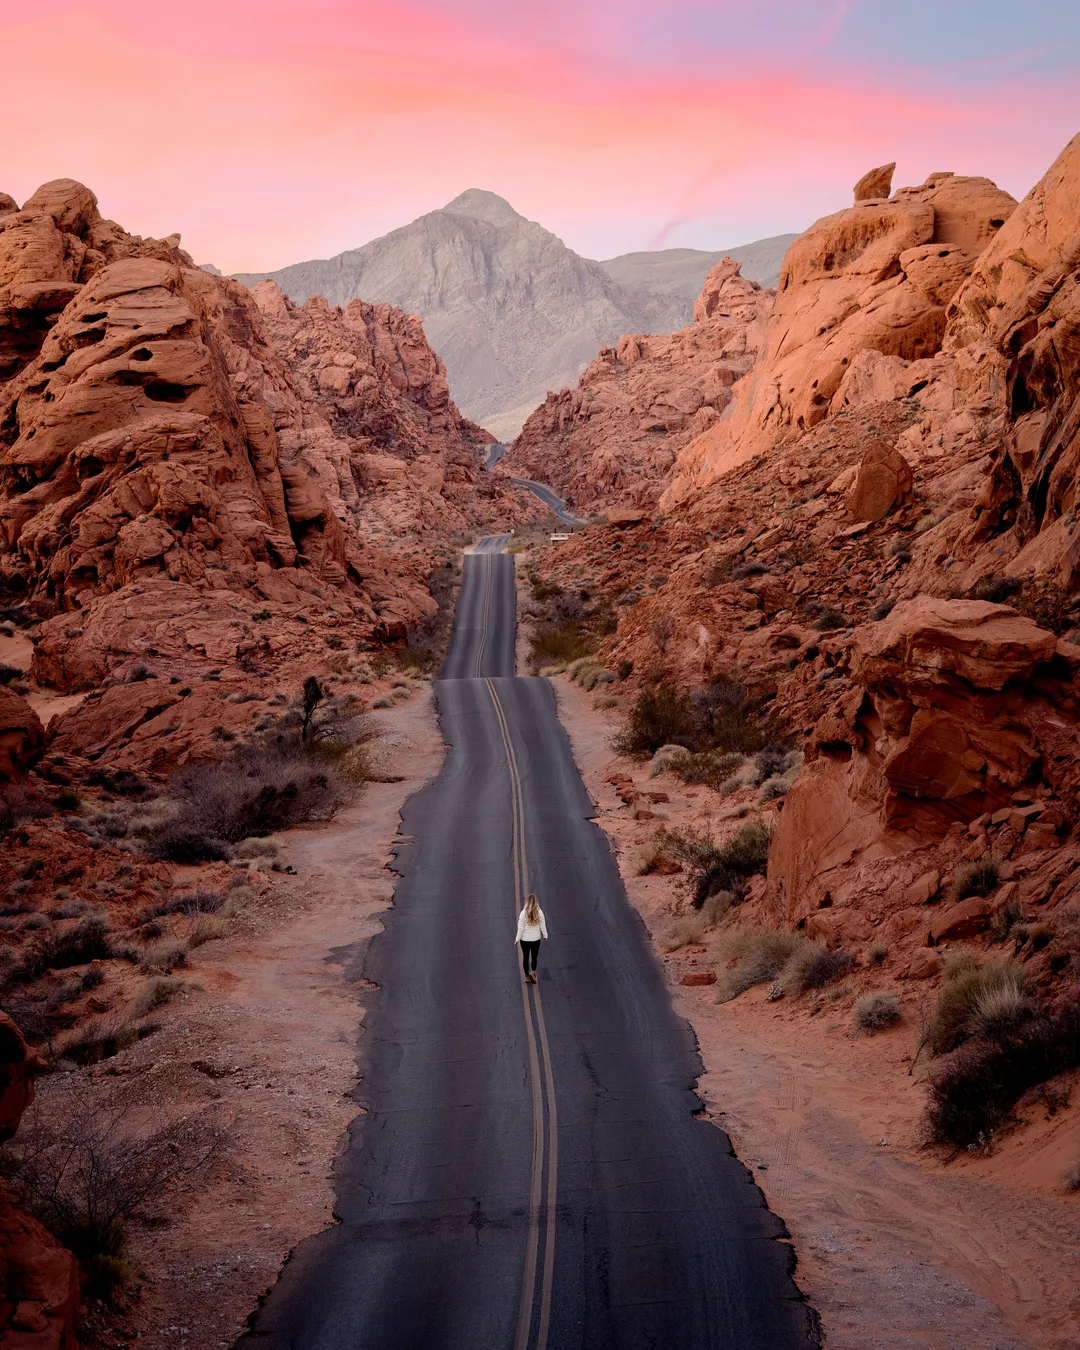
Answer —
176 454
909 434
614 438
40 1293
22 737
877 276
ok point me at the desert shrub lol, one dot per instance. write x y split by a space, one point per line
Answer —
998 590
684 932
1070 1180
711 867
661 715
728 721
882 610
773 788
556 645
67 799
200 901
164 957
972 1096
711 768
813 967
624 669
978 878
95 1041
207 928
716 906
954 1019
1004 920
875 1012
667 757
19 804
755 955
88 1166
254 791
877 953
645 860
87 940
154 993
999 1009
748 569
830 620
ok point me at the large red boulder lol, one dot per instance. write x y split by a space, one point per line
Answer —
22 737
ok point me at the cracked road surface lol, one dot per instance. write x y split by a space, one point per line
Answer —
529 1173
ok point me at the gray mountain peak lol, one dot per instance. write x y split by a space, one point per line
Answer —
483 205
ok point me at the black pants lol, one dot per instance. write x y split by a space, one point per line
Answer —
529 952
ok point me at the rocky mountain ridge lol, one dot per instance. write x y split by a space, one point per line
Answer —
511 310
613 440
878 539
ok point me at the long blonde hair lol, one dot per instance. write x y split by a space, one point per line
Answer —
532 910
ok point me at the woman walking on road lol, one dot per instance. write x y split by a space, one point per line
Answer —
530 929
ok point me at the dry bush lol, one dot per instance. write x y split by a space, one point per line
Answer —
813 967
87 940
101 1038
875 1012
1070 1180
647 856
164 956
88 1167
876 953
955 1018
687 931
668 757
978 878
203 900
755 955
154 993
208 928
972 1095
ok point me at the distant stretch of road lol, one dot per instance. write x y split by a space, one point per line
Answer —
529 1172
549 499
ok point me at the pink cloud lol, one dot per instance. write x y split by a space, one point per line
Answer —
267 134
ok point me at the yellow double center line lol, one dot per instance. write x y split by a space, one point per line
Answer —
528 1287
481 646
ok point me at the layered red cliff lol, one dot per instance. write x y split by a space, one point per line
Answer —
906 440
613 440
172 447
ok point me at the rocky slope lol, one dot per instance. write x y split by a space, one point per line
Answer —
510 309
613 440
173 455
899 461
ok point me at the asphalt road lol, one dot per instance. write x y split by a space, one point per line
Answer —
529 1173
550 500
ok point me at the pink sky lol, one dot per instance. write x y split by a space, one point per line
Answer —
271 132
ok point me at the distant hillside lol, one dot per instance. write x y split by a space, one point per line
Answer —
681 271
511 310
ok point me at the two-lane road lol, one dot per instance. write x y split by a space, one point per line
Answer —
529 1173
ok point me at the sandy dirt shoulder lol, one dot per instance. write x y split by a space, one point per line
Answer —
264 1041
896 1251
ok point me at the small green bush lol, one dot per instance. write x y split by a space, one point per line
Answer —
830 620
661 715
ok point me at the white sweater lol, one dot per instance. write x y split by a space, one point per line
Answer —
530 932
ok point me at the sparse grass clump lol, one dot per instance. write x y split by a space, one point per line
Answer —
813 967
978 878
964 1001
754 956
875 1012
